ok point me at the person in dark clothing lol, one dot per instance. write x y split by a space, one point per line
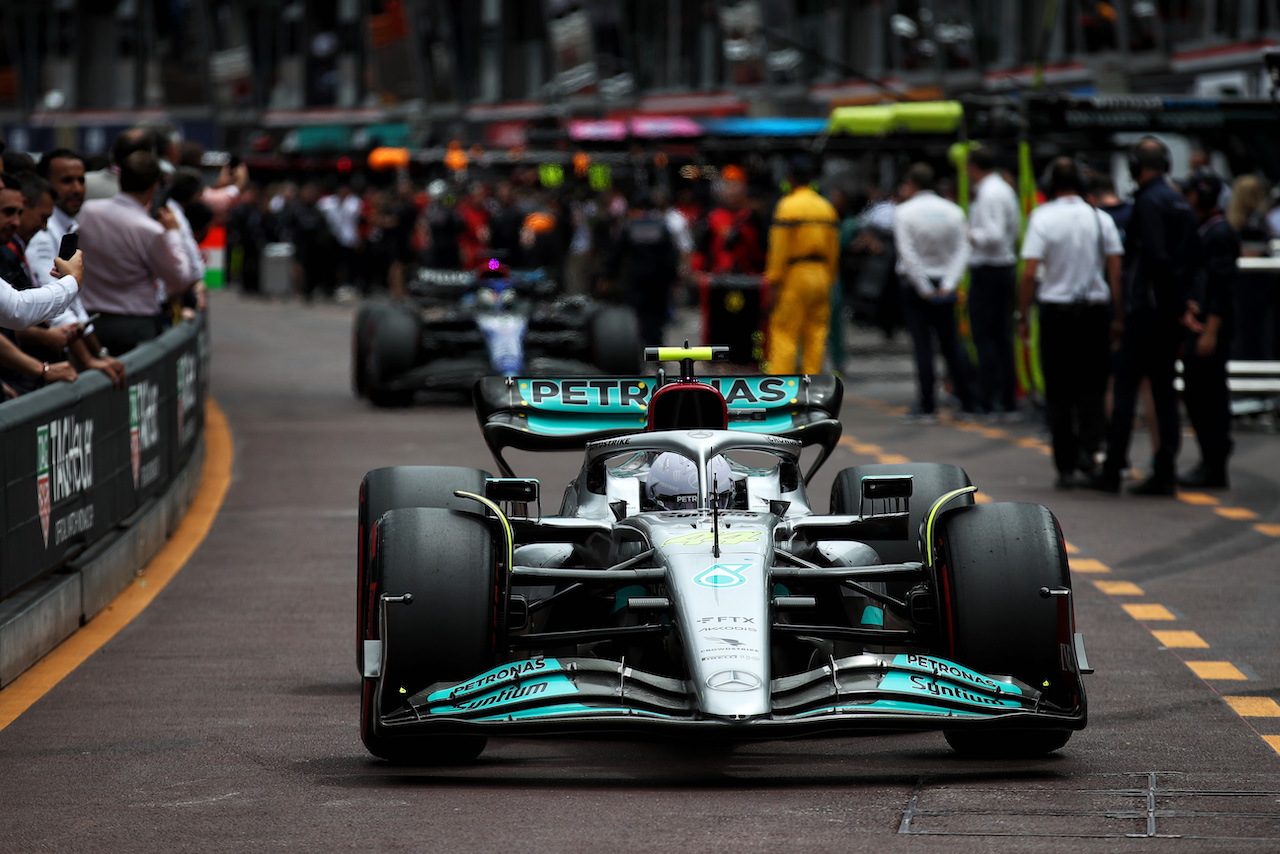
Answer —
504 224
445 228
246 236
1208 343
315 244
648 252
1160 256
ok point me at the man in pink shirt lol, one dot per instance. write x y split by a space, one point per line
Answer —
130 249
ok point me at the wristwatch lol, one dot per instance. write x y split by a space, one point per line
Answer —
102 354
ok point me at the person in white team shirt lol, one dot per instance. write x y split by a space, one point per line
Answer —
1077 250
994 221
932 239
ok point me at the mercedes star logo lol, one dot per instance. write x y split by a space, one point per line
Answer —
733 680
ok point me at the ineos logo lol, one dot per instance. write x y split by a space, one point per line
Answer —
733 680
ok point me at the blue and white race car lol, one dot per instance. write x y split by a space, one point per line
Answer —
687 587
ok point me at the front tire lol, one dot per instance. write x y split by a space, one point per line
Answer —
447 633
391 489
992 562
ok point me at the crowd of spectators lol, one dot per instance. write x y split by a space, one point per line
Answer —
902 256
138 220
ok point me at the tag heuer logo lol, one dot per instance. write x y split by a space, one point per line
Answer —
135 443
43 497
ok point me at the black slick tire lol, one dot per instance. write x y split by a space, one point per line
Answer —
992 562
445 560
392 350
390 489
616 346
929 482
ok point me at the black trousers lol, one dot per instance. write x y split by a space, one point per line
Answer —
926 319
1149 349
120 333
1207 398
1075 356
991 317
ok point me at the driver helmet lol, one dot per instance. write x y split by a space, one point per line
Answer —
673 481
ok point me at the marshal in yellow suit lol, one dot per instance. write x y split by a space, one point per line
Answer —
804 250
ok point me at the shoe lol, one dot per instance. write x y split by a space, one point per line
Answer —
921 418
1102 482
1064 481
1157 484
1205 477
1012 416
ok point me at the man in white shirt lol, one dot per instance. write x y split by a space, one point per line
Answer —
932 239
1073 245
994 218
342 210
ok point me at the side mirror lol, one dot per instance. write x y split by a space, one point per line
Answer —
519 490
893 490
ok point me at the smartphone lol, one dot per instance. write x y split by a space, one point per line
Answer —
70 241
84 324
160 199
235 161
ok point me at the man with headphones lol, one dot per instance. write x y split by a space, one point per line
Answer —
1077 249
1205 351
1161 252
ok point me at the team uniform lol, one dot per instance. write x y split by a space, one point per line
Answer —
803 256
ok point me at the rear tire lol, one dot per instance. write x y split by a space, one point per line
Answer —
616 346
445 560
392 350
391 489
929 482
361 334
992 561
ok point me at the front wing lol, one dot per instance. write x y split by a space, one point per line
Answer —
861 693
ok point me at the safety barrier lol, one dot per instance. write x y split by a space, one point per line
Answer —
95 479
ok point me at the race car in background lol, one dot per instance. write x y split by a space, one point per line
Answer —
458 326
688 588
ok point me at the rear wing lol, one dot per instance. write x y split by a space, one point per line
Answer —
564 414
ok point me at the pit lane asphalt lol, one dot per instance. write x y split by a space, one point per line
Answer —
225 717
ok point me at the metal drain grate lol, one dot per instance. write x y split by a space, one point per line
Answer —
1146 810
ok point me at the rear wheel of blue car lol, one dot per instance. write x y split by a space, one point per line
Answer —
394 336
616 346
361 334
444 561
994 565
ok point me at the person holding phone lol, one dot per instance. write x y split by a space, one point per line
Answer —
23 308
130 250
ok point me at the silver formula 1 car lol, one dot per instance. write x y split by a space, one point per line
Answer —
687 587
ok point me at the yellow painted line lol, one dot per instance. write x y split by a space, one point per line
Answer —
1274 741
1239 513
1140 611
1197 498
983 498
992 432
1254 707
1028 442
1181 640
1071 550
1089 564
1119 588
892 459
215 479
864 448
1267 528
1216 670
